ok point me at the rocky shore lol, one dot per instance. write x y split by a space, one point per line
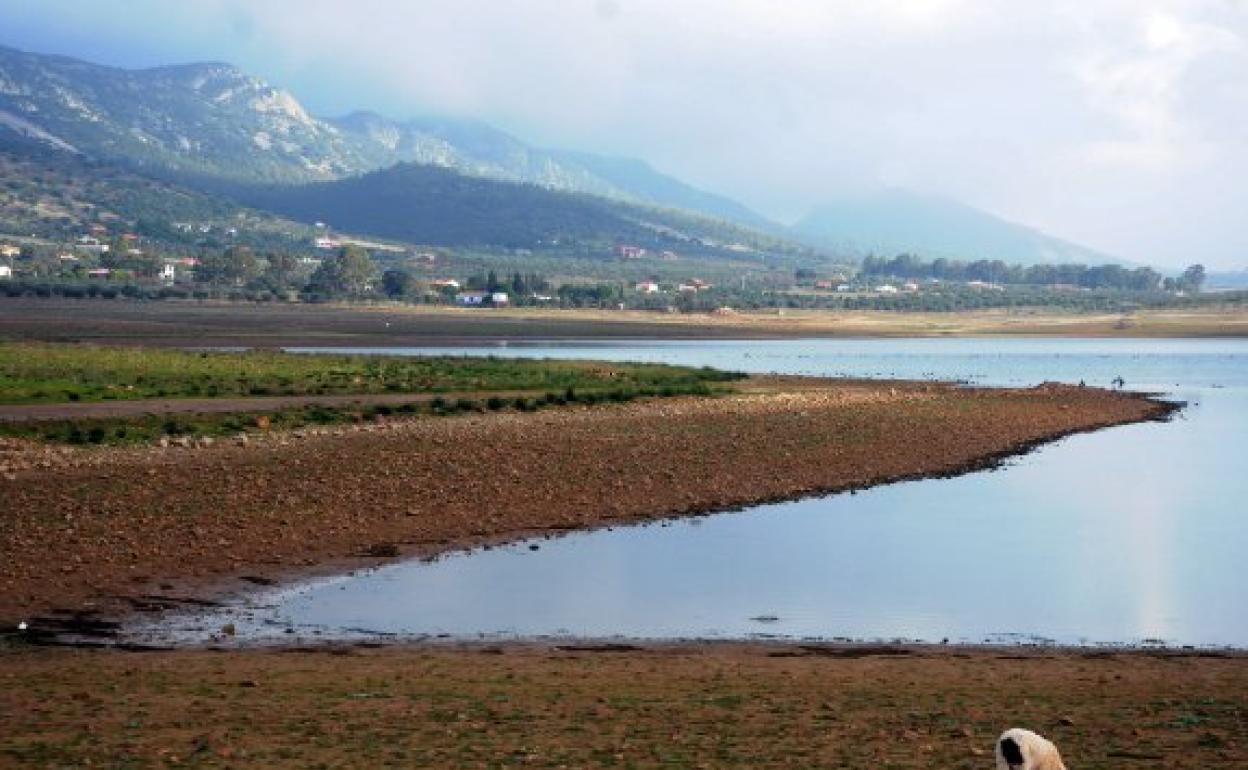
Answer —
97 531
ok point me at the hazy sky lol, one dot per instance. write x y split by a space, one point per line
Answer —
1121 124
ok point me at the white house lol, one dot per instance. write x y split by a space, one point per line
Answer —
6 272
91 245
627 251
168 272
9 251
647 287
482 298
886 289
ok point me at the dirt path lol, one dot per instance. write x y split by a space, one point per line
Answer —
97 529
683 706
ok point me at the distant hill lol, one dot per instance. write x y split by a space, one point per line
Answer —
894 222
439 206
216 121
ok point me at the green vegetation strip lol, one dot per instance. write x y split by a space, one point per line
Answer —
60 373
192 427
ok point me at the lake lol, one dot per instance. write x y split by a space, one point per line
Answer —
1131 535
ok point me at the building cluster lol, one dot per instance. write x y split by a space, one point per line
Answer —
692 286
90 256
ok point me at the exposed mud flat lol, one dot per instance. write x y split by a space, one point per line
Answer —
218 324
90 533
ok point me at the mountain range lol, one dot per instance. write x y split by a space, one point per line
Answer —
214 120
211 124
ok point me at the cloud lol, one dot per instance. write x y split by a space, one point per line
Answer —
1138 74
1042 112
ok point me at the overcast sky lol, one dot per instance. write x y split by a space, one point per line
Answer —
1121 124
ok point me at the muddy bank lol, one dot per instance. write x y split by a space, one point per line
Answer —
708 706
109 529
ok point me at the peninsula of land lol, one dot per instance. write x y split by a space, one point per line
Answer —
99 529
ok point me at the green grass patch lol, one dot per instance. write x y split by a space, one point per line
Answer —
34 373
192 426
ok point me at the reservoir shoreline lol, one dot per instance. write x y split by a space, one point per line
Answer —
235 324
155 529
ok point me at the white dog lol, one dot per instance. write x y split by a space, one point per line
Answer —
1019 749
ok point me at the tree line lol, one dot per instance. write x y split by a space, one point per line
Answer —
1107 276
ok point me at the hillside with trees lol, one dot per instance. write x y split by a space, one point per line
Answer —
438 206
50 194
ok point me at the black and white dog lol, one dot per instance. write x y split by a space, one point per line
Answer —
1019 749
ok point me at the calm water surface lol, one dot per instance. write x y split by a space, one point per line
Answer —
1129 535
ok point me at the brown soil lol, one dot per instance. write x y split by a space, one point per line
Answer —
695 706
83 527
220 324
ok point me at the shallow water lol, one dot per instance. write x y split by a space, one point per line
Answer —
1128 535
